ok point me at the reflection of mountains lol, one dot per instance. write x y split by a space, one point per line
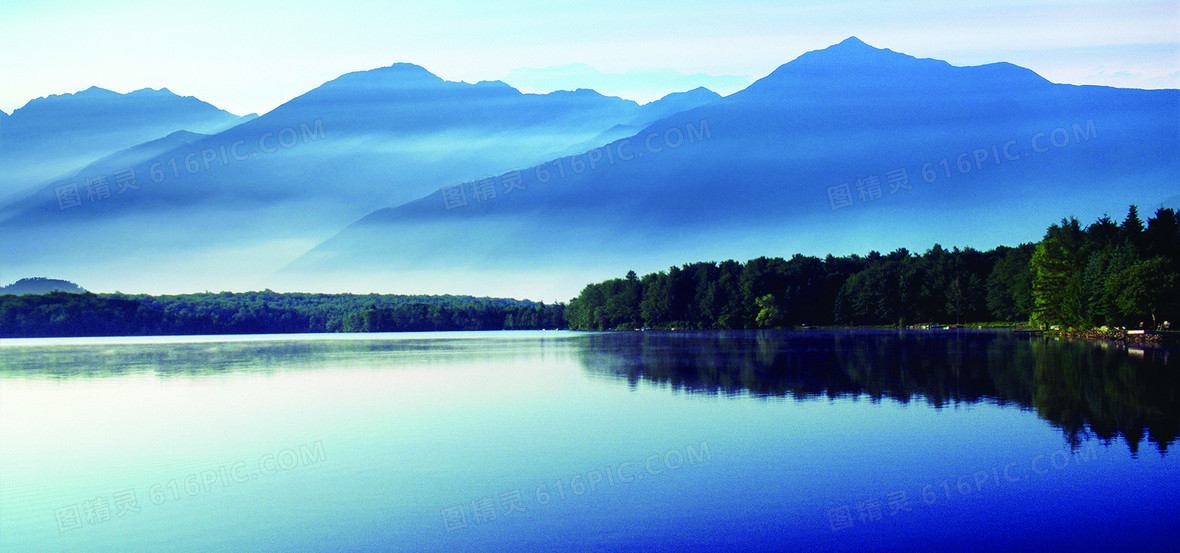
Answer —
1084 389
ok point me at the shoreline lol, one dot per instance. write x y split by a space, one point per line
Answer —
1125 337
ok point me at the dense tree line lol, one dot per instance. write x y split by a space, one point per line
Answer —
1107 274
940 285
1115 274
759 293
61 314
272 312
67 314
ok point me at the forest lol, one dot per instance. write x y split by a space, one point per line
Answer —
1106 274
266 312
1117 274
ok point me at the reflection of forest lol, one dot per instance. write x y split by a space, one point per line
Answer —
278 353
1083 388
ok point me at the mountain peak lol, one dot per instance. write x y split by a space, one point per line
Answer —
184 135
147 91
852 41
98 93
698 91
92 92
696 96
493 84
396 76
406 68
854 51
406 71
854 67
46 102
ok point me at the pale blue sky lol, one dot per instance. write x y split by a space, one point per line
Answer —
252 56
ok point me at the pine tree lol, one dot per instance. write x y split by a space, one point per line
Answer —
1131 231
1057 283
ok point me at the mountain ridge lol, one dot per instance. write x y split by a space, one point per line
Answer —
302 171
855 66
51 137
760 180
415 175
96 92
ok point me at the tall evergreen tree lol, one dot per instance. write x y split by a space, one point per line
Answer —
1131 231
1057 283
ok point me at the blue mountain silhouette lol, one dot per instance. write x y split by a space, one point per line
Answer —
283 181
842 150
809 159
56 135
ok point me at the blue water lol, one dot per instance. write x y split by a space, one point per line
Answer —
555 441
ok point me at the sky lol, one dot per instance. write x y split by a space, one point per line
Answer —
253 56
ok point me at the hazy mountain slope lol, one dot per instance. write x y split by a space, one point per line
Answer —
648 114
257 195
50 137
991 154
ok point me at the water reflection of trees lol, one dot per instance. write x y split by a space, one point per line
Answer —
1087 390
205 358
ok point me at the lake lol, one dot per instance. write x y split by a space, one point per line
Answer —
561 441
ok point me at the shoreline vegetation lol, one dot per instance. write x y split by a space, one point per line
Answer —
1108 275
62 314
1110 282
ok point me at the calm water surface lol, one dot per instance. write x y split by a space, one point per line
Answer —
559 441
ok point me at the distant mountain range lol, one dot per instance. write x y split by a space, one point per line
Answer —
842 150
451 187
50 137
259 194
646 84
